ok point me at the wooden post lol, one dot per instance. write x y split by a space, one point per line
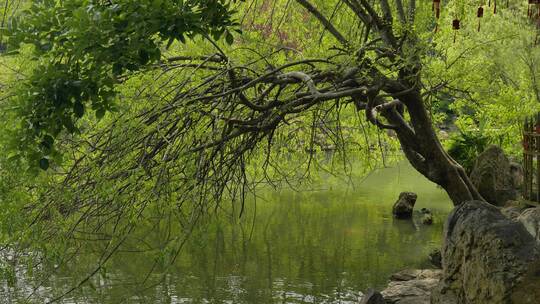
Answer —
530 149
525 171
537 157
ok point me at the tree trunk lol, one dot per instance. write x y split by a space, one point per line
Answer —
426 154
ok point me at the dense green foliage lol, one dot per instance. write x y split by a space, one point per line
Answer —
489 78
466 146
45 211
84 48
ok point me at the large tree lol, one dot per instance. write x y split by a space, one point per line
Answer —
186 123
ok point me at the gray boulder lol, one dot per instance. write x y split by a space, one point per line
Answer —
435 258
403 208
530 218
372 297
487 258
427 219
513 209
511 212
492 176
411 286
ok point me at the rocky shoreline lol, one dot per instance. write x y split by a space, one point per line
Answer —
409 286
490 255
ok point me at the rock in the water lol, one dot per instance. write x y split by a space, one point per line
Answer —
372 297
403 208
435 258
487 258
530 218
427 219
411 286
492 176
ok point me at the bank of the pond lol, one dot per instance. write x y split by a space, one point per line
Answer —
321 246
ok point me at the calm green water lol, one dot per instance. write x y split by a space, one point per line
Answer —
303 247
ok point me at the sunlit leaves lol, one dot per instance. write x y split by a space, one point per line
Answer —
84 47
44 163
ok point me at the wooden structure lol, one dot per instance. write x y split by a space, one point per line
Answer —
531 158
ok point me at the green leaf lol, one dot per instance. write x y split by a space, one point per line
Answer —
70 126
169 43
117 68
100 113
48 141
11 53
144 57
44 164
229 38
132 67
78 109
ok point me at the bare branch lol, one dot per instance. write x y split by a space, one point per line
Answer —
412 11
401 11
384 29
387 13
302 77
325 22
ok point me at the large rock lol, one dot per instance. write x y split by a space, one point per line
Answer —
487 258
403 208
411 286
511 212
435 258
427 217
372 297
492 176
530 218
513 209
516 173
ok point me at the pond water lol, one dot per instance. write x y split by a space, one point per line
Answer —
321 246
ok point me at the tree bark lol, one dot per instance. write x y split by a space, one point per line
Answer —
426 154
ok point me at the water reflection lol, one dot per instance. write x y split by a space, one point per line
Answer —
302 247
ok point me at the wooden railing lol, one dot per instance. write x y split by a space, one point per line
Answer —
531 158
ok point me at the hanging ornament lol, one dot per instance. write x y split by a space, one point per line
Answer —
533 5
525 144
480 14
455 26
436 7
537 31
